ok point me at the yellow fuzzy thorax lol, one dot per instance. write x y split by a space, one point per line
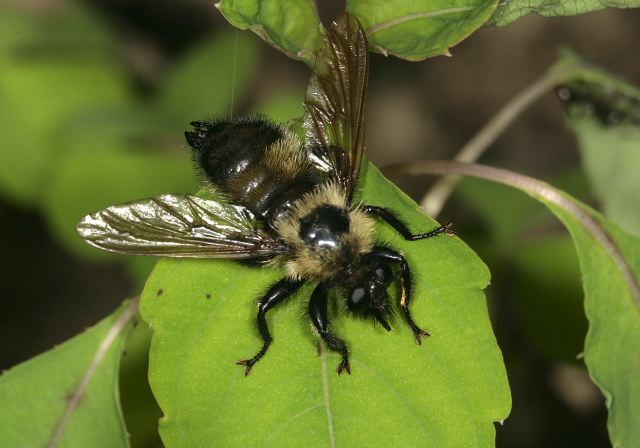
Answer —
305 261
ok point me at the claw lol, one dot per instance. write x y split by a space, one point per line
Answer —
448 229
344 365
248 363
417 333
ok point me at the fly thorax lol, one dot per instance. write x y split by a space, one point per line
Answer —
326 234
324 228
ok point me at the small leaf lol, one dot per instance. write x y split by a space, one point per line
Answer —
68 396
209 76
417 30
511 10
291 26
447 392
604 112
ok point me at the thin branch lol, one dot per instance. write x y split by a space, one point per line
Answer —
435 198
534 188
75 399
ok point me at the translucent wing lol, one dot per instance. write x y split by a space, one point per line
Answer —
335 102
178 225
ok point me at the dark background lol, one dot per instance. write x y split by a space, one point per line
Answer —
425 110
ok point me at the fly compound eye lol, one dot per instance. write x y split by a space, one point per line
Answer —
359 299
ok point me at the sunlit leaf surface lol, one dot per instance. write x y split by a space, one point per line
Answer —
417 30
445 393
36 394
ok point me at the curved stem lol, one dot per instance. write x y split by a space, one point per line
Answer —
434 199
536 189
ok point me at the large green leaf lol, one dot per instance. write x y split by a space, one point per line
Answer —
604 112
208 78
511 10
68 396
291 26
416 30
445 393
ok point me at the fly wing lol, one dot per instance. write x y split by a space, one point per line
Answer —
335 102
178 225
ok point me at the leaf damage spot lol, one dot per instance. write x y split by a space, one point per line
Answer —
208 296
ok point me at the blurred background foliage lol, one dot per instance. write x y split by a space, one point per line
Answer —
95 95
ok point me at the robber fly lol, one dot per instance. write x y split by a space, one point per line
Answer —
283 202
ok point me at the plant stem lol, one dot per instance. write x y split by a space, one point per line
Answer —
536 189
435 198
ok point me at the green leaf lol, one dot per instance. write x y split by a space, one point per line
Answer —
88 181
604 112
612 347
208 78
37 98
610 265
511 10
291 26
68 396
417 30
447 392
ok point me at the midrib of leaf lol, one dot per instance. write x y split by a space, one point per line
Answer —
78 394
420 15
326 397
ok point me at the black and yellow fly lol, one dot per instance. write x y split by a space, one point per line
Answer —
283 202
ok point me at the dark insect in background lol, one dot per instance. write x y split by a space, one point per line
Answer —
283 202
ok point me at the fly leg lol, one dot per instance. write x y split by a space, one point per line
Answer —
405 287
318 315
275 295
402 228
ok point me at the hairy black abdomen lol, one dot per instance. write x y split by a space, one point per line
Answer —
222 148
236 157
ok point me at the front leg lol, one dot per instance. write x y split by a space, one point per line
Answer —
275 295
405 287
318 315
402 228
